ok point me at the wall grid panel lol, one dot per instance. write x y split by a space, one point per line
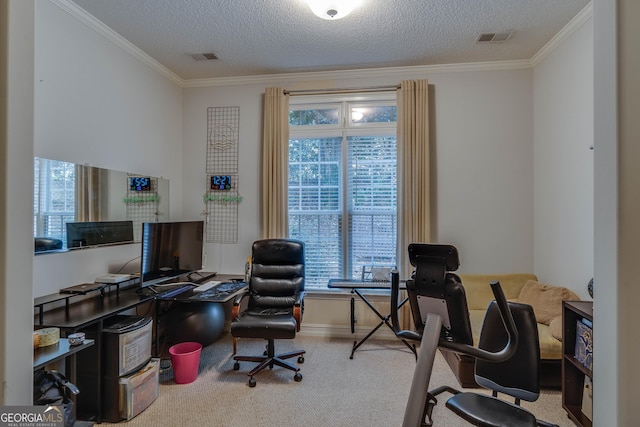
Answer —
223 126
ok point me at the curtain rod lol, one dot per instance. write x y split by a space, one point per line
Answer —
341 90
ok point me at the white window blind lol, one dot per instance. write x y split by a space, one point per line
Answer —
54 198
315 206
342 186
371 202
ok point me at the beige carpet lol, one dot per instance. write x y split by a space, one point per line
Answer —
370 390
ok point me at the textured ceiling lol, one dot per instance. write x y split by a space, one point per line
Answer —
255 37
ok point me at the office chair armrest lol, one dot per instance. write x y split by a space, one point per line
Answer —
298 309
237 304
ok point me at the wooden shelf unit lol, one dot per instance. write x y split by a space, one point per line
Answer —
573 372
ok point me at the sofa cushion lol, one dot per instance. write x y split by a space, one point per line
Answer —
478 291
550 347
555 327
545 299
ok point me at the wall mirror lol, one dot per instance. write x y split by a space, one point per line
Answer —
79 206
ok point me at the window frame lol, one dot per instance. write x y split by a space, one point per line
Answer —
345 129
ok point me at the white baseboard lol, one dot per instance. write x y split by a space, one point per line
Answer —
338 331
342 331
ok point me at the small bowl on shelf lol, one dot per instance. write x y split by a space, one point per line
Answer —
76 338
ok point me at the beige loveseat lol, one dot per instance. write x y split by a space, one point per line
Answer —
546 301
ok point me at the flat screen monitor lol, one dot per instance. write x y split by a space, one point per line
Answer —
170 249
82 234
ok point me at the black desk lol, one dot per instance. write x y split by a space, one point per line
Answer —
52 353
190 297
88 312
355 286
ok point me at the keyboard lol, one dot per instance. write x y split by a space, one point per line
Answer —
176 291
206 286
204 276
219 292
355 283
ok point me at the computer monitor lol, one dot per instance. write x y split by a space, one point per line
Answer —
91 233
169 250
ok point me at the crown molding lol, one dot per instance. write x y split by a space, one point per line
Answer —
358 73
102 29
584 16
105 31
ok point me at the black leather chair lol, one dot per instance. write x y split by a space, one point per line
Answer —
274 303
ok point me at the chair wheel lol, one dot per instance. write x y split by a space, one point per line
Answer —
300 359
252 382
297 377
236 366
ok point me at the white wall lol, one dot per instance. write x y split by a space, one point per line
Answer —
16 170
484 195
563 159
482 133
617 208
227 258
96 104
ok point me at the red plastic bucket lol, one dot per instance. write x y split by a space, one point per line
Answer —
185 359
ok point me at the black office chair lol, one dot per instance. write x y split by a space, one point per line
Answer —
274 303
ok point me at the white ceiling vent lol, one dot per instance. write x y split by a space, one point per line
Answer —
494 37
204 56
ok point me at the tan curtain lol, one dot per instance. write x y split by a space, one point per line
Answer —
88 207
413 165
275 163
414 224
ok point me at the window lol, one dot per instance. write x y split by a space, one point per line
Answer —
342 185
54 198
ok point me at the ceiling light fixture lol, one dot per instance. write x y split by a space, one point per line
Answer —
332 9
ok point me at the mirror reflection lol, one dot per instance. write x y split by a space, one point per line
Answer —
78 206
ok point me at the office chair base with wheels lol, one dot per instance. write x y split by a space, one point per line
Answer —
269 359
